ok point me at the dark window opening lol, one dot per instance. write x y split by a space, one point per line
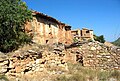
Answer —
88 31
50 33
81 32
47 41
76 33
49 25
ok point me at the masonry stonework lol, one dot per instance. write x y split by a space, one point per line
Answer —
82 35
47 30
95 55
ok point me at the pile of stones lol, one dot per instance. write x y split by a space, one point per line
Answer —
31 61
3 63
53 60
96 54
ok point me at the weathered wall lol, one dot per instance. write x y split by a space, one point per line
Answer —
45 31
82 35
3 63
71 55
68 37
34 59
87 34
61 34
96 55
54 59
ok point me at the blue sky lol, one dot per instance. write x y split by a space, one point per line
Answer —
103 16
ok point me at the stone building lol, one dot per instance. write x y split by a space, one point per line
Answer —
82 35
47 30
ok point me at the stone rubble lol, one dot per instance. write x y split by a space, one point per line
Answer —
53 60
30 61
96 54
3 63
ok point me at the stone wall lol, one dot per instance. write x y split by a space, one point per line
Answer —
53 59
3 63
82 35
29 61
47 30
97 55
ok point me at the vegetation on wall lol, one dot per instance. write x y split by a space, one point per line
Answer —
99 38
75 40
13 15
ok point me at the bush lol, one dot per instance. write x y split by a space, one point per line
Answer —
75 40
99 38
13 16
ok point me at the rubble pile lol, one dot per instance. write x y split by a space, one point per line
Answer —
3 63
54 60
96 54
30 61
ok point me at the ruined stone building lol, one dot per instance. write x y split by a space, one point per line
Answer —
47 30
82 35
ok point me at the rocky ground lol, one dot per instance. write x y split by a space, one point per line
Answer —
32 60
45 63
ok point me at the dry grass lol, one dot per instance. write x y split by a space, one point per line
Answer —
3 78
79 73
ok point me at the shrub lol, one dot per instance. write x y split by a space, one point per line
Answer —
13 16
99 38
75 40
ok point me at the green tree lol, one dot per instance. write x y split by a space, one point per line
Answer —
13 16
99 38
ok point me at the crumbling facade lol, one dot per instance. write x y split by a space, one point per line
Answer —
47 30
82 35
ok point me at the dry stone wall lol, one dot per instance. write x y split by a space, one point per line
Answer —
53 59
30 61
95 54
3 63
